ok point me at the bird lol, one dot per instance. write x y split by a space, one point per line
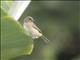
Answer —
33 31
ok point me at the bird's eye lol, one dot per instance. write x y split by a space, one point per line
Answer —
30 19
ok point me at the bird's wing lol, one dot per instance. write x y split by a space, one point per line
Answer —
36 27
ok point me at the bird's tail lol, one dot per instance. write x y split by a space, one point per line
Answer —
45 39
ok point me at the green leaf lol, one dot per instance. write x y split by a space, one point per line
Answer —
14 41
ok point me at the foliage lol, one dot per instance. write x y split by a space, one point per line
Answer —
14 40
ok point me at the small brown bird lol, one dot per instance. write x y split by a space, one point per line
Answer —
32 29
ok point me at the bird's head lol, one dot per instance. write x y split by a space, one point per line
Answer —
28 19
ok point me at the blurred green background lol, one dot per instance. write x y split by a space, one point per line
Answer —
60 23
